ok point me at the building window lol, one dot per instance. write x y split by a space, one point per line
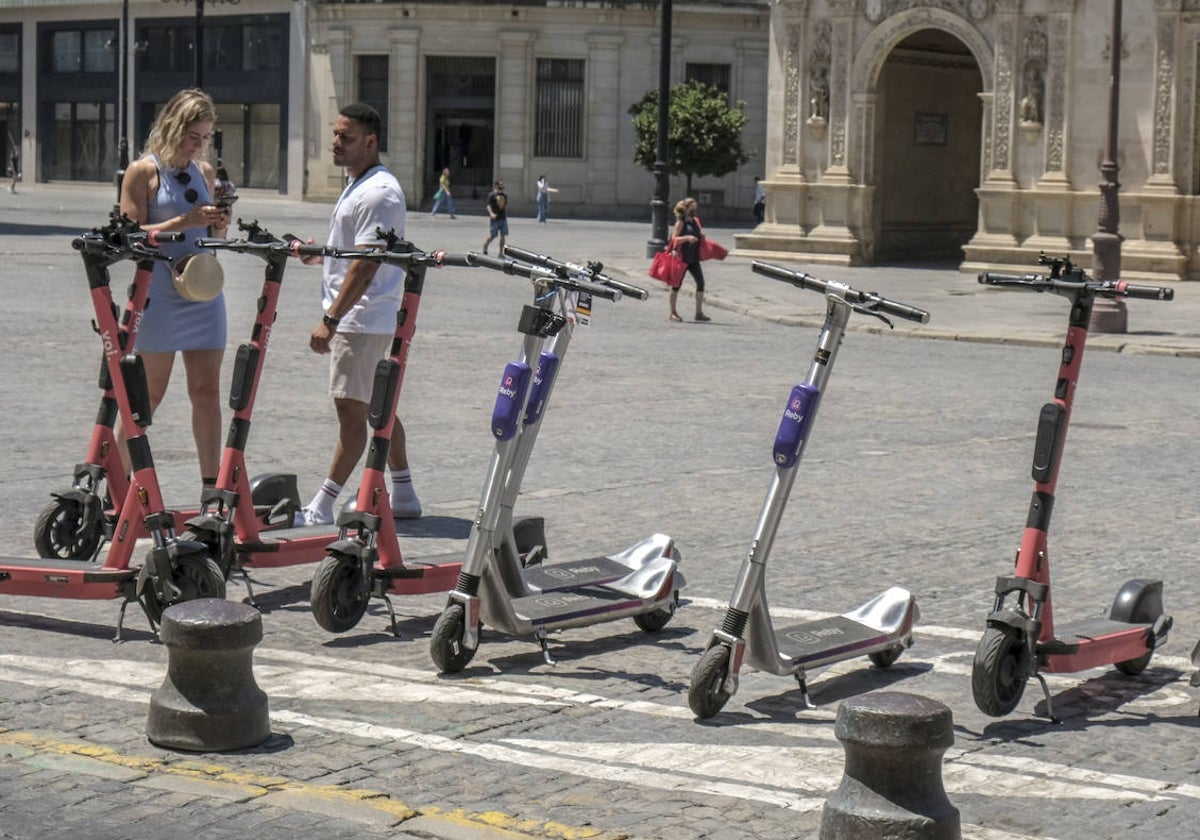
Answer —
558 130
373 89
10 43
716 75
89 51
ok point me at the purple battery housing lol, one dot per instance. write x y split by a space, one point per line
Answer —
543 381
510 399
794 426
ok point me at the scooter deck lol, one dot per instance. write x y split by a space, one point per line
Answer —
50 577
833 638
422 575
560 606
1094 642
552 577
280 536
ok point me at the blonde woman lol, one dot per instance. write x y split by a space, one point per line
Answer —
171 188
687 235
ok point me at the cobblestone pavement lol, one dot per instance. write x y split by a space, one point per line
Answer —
916 475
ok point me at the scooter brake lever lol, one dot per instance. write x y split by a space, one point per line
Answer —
867 309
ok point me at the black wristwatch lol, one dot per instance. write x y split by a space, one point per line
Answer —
329 321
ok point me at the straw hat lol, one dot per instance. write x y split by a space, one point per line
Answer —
199 277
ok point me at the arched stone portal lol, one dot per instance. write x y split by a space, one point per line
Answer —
927 145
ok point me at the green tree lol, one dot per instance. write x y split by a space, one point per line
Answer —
704 134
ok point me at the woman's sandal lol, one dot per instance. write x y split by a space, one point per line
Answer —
674 317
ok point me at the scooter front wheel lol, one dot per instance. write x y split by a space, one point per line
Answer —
196 575
1000 671
446 647
707 694
1133 667
64 531
338 597
887 657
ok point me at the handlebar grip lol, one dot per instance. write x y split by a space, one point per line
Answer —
996 278
796 278
1146 292
158 237
533 272
599 290
528 256
903 310
441 258
299 248
626 288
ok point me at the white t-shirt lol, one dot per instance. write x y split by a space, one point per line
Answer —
373 200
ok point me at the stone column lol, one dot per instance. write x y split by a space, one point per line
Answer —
841 61
405 110
1053 189
998 190
605 118
514 119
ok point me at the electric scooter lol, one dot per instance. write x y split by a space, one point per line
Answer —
881 628
641 582
1021 639
175 570
360 554
78 521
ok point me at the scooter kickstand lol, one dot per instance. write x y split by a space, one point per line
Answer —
1049 703
542 637
391 614
120 620
808 703
250 599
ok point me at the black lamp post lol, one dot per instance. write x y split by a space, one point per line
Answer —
1110 316
122 96
662 178
198 39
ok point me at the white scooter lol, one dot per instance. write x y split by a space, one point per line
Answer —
524 596
879 629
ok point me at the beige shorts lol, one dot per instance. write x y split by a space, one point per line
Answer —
352 367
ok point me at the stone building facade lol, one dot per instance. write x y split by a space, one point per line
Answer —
974 129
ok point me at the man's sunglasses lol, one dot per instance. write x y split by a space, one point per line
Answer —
185 178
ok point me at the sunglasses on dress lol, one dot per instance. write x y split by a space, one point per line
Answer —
185 178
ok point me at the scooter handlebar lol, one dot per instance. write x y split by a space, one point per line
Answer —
537 272
872 301
1104 288
590 273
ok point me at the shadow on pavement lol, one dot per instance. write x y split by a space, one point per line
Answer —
11 229
76 628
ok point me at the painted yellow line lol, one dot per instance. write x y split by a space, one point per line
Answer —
255 784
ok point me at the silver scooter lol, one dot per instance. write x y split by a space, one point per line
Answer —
881 628
525 596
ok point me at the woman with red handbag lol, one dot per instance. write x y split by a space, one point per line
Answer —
688 235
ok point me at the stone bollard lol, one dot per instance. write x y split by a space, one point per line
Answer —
209 700
892 786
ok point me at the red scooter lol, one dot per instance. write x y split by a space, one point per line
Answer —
1021 639
361 554
175 570
76 523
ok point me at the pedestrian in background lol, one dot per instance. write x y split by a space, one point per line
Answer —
443 195
687 235
171 188
760 199
361 299
14 164
543 197
497 210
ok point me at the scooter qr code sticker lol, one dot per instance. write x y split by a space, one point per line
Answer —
583 308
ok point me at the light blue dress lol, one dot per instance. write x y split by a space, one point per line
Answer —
171 321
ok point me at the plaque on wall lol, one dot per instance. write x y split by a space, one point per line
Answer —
930 129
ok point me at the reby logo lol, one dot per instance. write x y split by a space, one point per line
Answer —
507 388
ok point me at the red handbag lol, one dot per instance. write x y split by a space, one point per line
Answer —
710 250
668 266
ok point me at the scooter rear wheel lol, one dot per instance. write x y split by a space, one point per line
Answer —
64 532
653 621
1133 667
707 694
338 597
446 647
887 657
1000 671
196 576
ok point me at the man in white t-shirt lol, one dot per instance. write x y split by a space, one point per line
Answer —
360 298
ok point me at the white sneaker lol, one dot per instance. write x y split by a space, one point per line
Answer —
408 509
306 517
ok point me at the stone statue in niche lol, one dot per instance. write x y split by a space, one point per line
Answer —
1031 103
818 102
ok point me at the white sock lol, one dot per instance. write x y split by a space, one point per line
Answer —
322 503
402 487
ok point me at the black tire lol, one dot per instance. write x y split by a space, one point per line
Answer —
196 575
1000 671
337 597
885 658
63 532
706 694
1133 667
446 649
656 620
